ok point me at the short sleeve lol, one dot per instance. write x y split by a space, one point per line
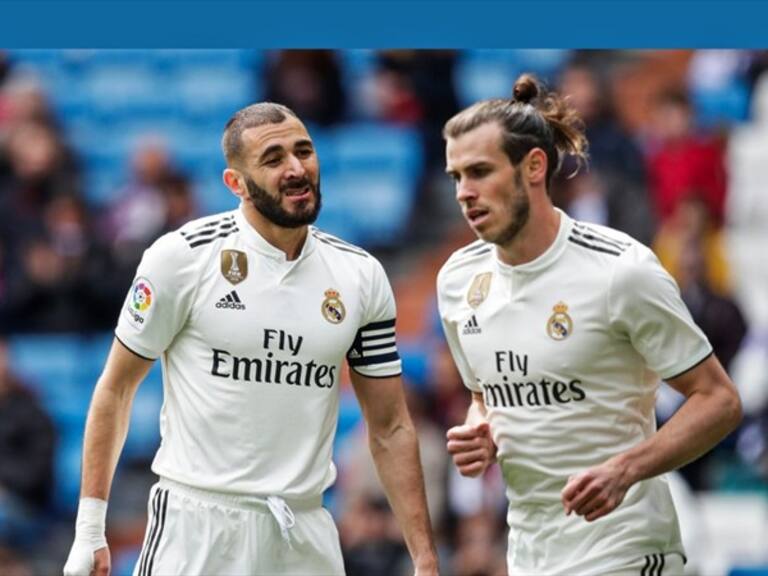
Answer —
158 302
445 302
644 304
374 350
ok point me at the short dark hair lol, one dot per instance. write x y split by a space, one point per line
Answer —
532 118
250 117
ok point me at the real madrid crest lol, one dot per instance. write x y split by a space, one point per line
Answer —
333 308
479 289
560 325
234 265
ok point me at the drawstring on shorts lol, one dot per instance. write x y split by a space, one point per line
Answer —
283 516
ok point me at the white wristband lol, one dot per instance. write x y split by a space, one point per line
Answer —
91 522
89 537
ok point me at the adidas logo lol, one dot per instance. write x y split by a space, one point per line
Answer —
231 301
471 327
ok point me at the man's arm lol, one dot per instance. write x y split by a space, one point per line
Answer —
395 451
471 444
105 432
712 409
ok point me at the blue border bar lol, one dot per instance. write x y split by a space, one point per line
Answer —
384 24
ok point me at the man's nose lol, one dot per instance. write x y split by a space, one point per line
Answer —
295 167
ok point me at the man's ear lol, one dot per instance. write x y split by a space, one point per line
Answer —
535 166
234 180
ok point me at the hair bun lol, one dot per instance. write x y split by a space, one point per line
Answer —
526 89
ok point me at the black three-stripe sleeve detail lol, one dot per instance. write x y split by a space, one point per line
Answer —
150 534
587 234
661 567
164 509
593 247
203 233
600 235
210 239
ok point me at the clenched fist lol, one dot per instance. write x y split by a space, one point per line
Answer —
472 448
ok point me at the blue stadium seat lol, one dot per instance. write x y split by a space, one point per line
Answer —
483 74
377 146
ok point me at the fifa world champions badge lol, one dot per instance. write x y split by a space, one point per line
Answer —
234 266
140 303
479 289
560 325
333 308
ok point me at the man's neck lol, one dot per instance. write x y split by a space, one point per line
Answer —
289 240
538 234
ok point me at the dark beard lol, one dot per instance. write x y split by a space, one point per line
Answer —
520 208
272 209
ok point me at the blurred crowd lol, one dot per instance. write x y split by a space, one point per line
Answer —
678 159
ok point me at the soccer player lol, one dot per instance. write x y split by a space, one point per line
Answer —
252 312
561 329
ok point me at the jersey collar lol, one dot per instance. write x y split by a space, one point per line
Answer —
550 255
257 242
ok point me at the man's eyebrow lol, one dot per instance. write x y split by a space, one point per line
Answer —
270 150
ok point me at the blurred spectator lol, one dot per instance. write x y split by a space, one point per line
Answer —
480 546
155 197
12 565
451 398
680 160
691 227
60 284
613 191
39 167
179 201
26 459
308 82
719 317
417 87
357 472
371 541
27 102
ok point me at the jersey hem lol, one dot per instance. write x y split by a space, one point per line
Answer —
132 351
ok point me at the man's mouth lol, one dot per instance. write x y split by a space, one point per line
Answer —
298 192
476 216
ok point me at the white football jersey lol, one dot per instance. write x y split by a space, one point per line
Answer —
252 346
567 351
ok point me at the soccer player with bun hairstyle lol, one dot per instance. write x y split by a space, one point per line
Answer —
562 331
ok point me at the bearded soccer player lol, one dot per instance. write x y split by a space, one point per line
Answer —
561 330
252 312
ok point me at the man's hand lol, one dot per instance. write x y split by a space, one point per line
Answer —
472 448
597 491
83 561
89 555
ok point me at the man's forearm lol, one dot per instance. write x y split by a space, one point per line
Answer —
105 432
701 422
396 454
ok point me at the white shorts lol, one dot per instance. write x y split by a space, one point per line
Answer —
199 532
